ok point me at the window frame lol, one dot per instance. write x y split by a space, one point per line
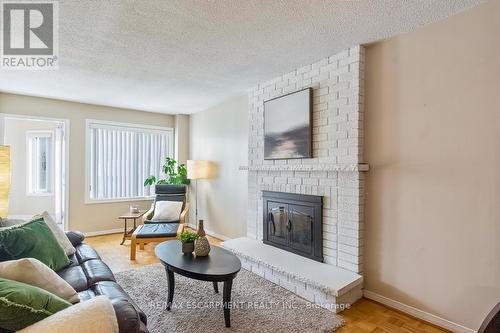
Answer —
30 134
119 125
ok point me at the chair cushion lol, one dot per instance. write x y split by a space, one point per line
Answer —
158 230
162 221
167 210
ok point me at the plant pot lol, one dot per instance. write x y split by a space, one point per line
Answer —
187 247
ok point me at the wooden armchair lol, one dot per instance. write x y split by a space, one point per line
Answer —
161 230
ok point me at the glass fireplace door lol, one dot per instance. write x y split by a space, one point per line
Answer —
277 222
301 230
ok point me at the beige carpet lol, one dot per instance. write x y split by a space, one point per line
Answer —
258 305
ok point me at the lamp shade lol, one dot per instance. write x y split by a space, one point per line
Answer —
200 169
4 180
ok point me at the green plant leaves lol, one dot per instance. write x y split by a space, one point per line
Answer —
177 174
188 236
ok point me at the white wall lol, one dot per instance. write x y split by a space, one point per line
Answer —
15 136
220 134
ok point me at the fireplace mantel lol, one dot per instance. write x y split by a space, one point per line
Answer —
308 167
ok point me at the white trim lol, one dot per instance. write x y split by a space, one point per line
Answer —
417 313
209 232
66 136
103 232
30 134
88 126
132 126
105 201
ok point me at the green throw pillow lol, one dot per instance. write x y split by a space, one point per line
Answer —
22 305
32 240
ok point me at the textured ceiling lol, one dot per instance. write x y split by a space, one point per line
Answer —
184 56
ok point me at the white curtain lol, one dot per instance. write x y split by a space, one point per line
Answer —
121 158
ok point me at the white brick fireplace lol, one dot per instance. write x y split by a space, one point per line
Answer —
335 172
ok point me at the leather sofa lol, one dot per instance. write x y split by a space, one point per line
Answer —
91 277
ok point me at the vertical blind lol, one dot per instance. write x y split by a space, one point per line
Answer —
122 157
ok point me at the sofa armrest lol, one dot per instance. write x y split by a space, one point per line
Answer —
75 237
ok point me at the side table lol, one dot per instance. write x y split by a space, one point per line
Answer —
130 216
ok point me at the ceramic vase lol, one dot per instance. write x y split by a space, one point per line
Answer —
201 245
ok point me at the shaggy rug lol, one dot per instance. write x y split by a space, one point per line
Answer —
257 305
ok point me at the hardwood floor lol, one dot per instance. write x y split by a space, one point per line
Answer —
364 316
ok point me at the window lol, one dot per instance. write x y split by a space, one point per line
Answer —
121 156
40 162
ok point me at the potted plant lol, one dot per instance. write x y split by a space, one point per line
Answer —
176 174
187 239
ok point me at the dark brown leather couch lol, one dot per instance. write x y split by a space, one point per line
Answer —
91 277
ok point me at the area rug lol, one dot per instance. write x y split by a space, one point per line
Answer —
257 304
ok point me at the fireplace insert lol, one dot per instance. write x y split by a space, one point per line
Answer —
293 222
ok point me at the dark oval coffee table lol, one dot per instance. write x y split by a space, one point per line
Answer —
219 266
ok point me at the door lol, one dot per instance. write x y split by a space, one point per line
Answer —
39 156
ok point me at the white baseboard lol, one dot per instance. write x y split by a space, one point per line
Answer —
209 232
417 313
103 232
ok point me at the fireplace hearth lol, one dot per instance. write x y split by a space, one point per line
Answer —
293 222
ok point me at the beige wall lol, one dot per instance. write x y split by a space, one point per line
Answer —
433 190
220 134
83 217
19 202
182 138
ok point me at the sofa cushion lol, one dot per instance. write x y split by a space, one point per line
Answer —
59 234
114 290
32 240
158 230
73 260
75 276
22 305
75 319
85 252
96 270
86 294
33 272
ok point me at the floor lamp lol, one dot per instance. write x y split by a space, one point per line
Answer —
199 169
4 180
